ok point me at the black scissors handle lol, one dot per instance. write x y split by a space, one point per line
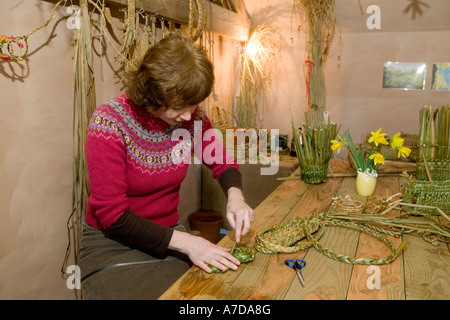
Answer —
298 263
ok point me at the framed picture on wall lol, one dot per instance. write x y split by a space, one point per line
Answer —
441 76
404 75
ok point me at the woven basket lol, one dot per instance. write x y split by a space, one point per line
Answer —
411 141
437 161
314 174
427 193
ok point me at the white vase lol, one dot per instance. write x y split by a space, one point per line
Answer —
365 183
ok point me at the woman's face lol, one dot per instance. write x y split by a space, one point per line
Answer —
174 116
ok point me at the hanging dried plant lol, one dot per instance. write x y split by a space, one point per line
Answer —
317 19
256 63
84 104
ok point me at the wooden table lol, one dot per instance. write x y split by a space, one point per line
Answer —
422 271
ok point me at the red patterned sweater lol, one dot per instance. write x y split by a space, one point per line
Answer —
133 164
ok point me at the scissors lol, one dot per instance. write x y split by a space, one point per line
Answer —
297 265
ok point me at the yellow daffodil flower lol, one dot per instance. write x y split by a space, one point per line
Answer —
377 158
378 138
396 141
336 145
404 152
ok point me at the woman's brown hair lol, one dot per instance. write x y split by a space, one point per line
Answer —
174 73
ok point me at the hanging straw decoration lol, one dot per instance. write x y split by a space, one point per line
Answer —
201 8
317 18
256 62
84 104
9 43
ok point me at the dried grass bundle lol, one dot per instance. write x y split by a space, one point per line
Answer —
256 63
313 144
84 104
434 143
313 147
317 18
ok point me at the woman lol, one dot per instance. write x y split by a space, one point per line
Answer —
131 217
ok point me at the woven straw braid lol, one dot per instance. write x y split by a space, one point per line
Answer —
286 237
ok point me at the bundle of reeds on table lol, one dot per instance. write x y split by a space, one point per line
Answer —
313 148
432 189
434 157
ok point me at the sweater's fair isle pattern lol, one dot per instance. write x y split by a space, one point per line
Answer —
133 161
151 151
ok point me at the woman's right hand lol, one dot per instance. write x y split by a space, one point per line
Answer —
202 252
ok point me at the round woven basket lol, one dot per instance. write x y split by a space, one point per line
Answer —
314 174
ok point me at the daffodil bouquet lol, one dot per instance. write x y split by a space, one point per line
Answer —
374 159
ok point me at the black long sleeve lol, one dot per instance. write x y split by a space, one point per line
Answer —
141 233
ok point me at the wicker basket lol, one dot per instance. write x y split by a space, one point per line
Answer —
314 174
427 193
437 161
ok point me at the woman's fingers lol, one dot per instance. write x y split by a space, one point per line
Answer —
241 221
218 257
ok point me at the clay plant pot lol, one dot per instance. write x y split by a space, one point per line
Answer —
208 223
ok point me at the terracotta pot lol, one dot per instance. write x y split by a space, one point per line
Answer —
208 223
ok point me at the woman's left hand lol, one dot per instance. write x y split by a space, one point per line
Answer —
239 214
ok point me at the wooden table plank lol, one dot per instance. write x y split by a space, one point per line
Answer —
421 272
326 278
390 275
427 270
252 282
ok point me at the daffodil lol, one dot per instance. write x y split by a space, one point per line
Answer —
372 160
336 145
378 138
396 141
404 152
378 158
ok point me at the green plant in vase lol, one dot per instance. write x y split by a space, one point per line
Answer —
313 148
368 164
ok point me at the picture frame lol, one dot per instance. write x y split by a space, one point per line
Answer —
404 75
441 76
